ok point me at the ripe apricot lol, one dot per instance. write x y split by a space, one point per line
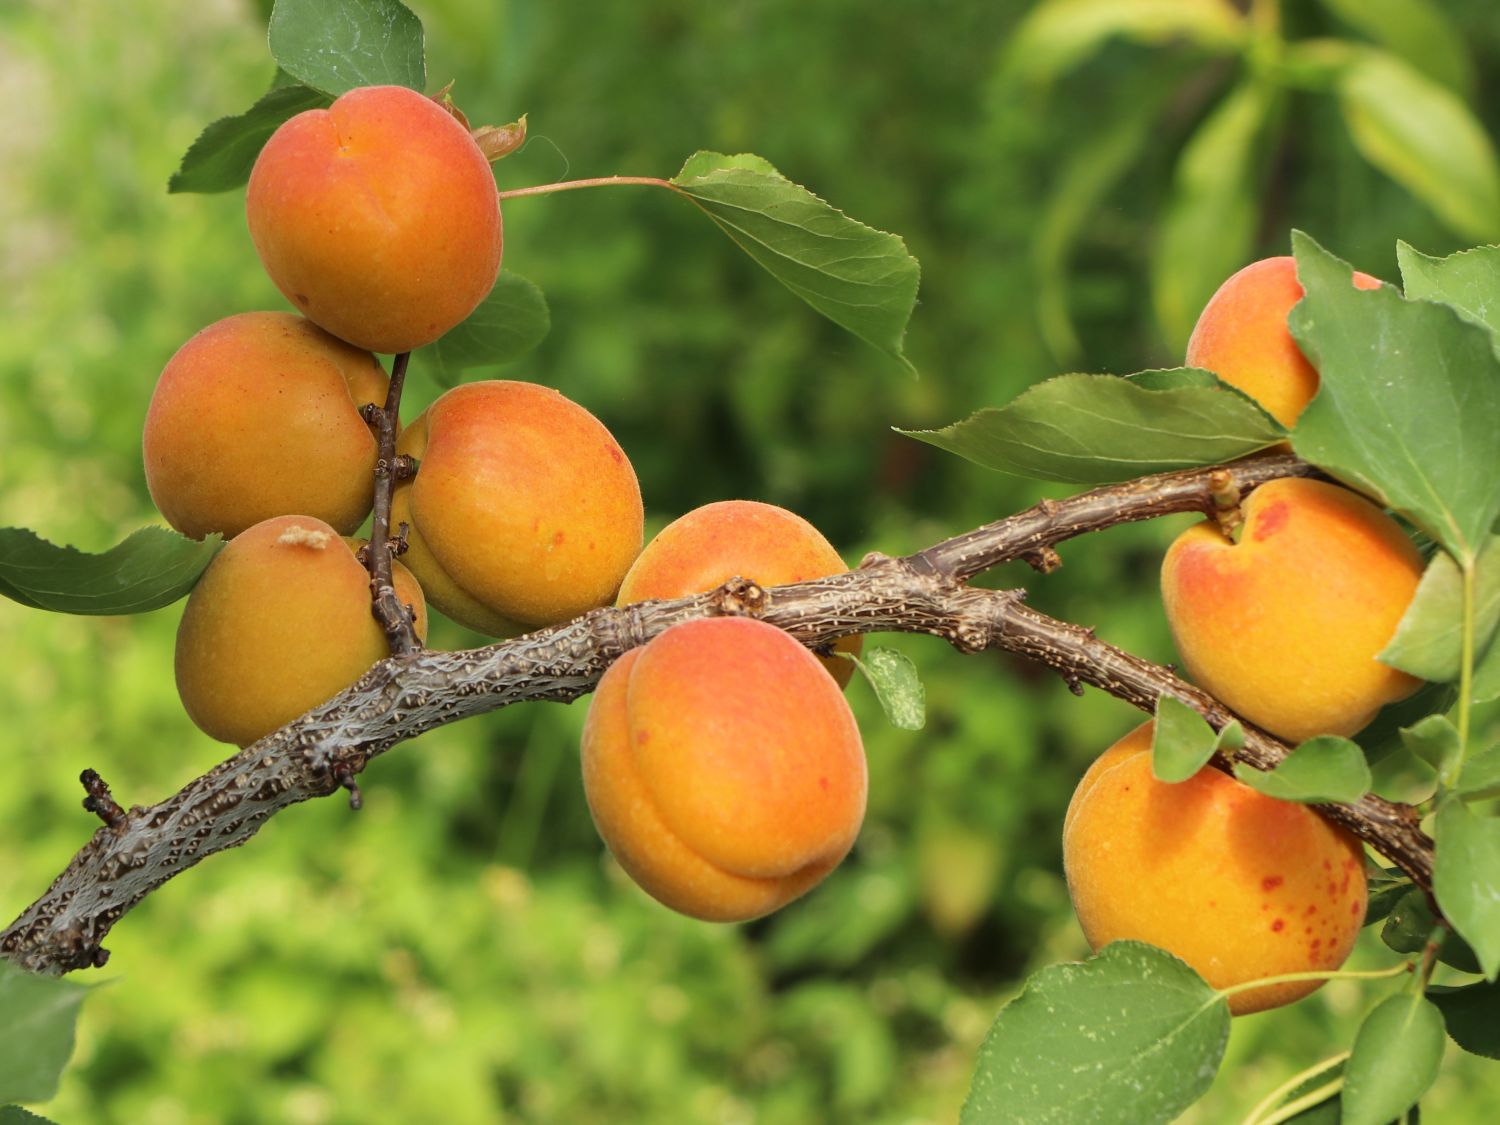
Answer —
279 623
1284 625
1242 337
377 217
736 538
524 504
723 768
258 416
1239 885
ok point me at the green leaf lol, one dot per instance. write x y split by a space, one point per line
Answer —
1394 1061
1411 923
897 686
336 45
1487 676
1382 737
1329 1079
1182 742
1426 139
1416 30
860 278
1434 740
37 1016
15 1115
1322 769
1480 776
1208 227
1407 405
1130 1036
1468 282
1387 886
1472 1014
1429 640
1466 878
1058 35
153 567
222 156
1095 429
511 321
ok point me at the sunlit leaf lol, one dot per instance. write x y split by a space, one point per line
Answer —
1466 878
1182 742
151 568
1429 640
1426 139
1419 31
1395 1059
1467 281
336 45
1093 429
860 278
1130 1036
1322 769
37 1016
897 686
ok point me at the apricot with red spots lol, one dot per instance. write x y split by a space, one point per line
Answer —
763 543
723 768
1284 625
1239 885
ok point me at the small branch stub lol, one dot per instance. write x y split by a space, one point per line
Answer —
99 801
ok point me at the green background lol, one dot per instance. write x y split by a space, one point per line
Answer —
462 950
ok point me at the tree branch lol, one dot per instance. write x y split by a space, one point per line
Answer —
407 694
385 603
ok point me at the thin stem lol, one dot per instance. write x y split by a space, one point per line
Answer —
1318 974
1253 1117
385 603
1305 1102
598 181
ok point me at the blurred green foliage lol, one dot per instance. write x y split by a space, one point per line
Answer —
461 950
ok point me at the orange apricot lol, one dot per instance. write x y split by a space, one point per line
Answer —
1239 885
737 538
279 623
524 504
1284 625
723 768
1242 337
377 218
258 416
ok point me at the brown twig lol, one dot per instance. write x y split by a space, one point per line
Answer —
402 697
394 617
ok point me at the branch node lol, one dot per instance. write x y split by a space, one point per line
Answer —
1224 490
343 775
874 559
740 597
99 801
99 957
403 467
370 412
1044 560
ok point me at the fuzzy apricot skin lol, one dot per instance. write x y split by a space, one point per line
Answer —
723 768
258 416
1242 337
763 543
524 505
279 623
1284 626
377 218
1239 885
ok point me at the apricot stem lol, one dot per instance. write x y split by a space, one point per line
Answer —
385 604
1306 1101
1318 974
1253 1117
598 181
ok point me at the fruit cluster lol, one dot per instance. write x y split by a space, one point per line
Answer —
1283 623
721 761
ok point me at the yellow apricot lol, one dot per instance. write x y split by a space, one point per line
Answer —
377 217
1284 625
279 623
1237 884
723 768
258 416
524 504
1242 337
737 538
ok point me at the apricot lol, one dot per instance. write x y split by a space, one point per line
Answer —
279 623
258 416
524 505
1284 625
1239 885
377 217
737 538
1242 337
723 768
